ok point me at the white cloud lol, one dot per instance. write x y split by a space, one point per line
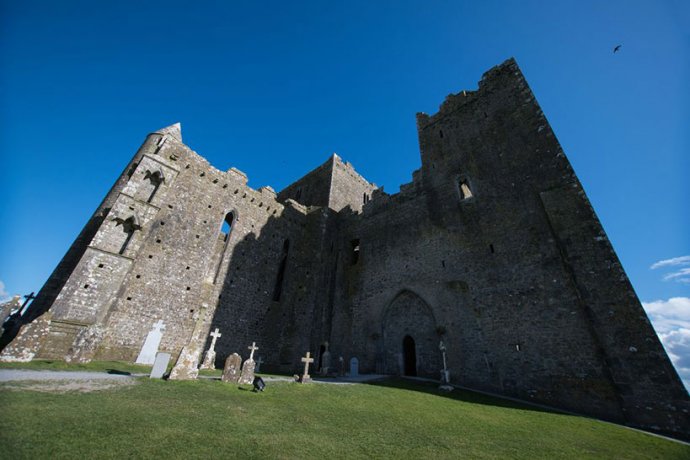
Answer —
680 275
682 260
4 296
671 319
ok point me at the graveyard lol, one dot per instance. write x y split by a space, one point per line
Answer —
393 417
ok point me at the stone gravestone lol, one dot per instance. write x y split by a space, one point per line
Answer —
305 378
231 371
354 367
259 362
160 365
325 360
150 348
247 377
210 359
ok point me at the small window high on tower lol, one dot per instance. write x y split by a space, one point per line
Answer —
464 189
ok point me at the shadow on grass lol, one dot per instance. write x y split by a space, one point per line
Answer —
457 394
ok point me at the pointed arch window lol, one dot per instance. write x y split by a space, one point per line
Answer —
227 226
225 229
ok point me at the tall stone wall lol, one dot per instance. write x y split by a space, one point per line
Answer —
496 236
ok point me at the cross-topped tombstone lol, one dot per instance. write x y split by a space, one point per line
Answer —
252 349
210 358
259 362
445 373
150 347
247 376
307 360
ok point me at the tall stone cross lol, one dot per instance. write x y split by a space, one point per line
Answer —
28 298
445 374
253 348
210 359
215 334
307 360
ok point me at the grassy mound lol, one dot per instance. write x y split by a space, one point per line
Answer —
393 419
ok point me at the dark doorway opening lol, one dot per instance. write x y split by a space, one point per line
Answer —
409 356
322 350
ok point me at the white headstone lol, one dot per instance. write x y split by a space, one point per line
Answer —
160 365
153 339
354 367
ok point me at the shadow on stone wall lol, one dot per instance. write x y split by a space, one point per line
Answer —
264 296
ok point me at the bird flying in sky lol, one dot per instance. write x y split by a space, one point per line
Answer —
618 47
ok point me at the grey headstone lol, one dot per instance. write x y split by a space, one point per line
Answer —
325 360
160 365
247 376
231 371
354 367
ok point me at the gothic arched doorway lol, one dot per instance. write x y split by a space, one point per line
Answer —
409 341
409 356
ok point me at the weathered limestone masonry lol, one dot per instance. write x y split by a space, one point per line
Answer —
493 248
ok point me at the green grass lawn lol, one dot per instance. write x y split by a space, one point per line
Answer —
398 419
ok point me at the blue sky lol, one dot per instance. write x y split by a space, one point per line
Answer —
273 88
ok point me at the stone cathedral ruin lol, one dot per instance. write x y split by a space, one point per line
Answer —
493 248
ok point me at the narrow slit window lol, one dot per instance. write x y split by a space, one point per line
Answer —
278 289
355 251
464 189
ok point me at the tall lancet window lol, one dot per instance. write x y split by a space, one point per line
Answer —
227 226
225 230
278 289
156 179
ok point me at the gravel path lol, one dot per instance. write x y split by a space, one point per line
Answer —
8 375
61 381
